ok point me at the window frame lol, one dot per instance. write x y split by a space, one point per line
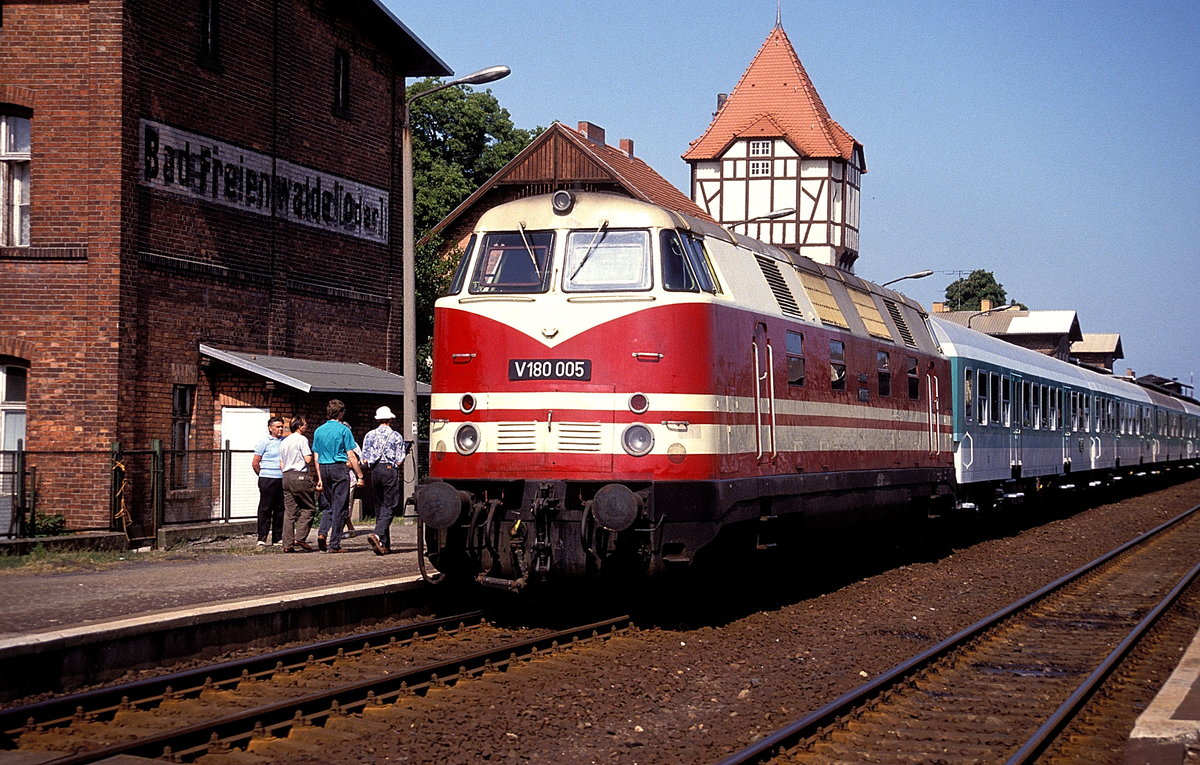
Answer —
183 409
209 44
16 167
883 373
794 350
837 365
341 83
758 168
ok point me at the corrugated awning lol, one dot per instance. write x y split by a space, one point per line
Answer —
315 376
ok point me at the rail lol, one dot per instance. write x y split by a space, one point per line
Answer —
787 737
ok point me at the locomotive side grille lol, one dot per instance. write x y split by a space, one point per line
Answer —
579 436
783 295
901 324
516 436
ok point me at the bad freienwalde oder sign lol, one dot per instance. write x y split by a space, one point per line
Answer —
194 165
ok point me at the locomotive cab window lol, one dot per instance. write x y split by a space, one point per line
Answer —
513 262
607 261
460 273
795 359
677 273
837 364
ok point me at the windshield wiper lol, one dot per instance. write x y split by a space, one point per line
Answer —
590 248
532 257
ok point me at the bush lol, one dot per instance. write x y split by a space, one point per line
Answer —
49 525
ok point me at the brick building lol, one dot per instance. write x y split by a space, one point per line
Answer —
182 176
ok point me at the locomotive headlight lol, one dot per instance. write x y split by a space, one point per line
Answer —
637 440
466 439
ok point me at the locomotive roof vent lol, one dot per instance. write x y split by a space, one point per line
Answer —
562 201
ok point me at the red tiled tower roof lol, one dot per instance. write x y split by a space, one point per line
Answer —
775 99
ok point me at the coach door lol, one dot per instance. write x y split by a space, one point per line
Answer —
1017 418
764 394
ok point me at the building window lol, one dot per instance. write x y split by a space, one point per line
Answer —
760 167
760 148
14 179
210 34
14 384
914 379
341 83
183 399
837 364
883 364
795 359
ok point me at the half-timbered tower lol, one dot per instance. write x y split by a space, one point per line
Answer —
772 146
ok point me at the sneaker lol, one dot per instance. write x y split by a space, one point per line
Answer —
321 543
375 545
262 543
277 544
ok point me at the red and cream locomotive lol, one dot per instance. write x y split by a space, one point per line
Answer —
618 386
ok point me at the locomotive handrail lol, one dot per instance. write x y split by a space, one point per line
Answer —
771 391
757 405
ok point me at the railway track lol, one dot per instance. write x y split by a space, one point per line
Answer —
1005 688
257 702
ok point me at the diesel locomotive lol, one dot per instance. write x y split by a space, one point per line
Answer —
618 387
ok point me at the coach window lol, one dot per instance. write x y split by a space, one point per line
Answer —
1006 400
985 410
14 178
1037 390
513 262
995 416
914 379
601 260
883 364
969 394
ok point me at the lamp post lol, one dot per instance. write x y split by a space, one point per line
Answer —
781 213
409 262
917 275
997 309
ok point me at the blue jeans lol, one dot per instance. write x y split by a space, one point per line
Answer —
335 497
385 481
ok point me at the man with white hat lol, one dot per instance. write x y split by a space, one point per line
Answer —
383 452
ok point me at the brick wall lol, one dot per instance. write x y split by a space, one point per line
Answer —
124 280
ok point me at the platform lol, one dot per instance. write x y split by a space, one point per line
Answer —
228 594
1168 732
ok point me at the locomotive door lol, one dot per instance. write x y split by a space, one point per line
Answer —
764 394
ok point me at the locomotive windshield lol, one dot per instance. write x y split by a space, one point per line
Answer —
513 262
603 261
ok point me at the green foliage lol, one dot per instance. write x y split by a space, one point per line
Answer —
49 525
966 294
461 138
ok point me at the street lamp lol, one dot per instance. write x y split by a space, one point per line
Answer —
997 309
409 263
917 275
781 213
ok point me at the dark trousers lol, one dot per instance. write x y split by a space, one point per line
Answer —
385 482
270 509
335 499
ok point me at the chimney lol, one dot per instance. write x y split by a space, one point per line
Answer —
1129 373
593 133
985 305
627 146
939 308
721 100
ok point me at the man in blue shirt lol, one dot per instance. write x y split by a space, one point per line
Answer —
333 450
265 463
383 453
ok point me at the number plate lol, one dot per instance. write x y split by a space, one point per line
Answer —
549 369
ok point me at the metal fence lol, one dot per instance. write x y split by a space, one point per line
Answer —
136 491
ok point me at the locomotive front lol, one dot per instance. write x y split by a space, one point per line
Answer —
572 364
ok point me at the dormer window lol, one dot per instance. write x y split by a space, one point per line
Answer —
760 148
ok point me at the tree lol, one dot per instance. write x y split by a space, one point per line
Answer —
461 138
966 294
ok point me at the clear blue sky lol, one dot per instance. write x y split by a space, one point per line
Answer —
1054 143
